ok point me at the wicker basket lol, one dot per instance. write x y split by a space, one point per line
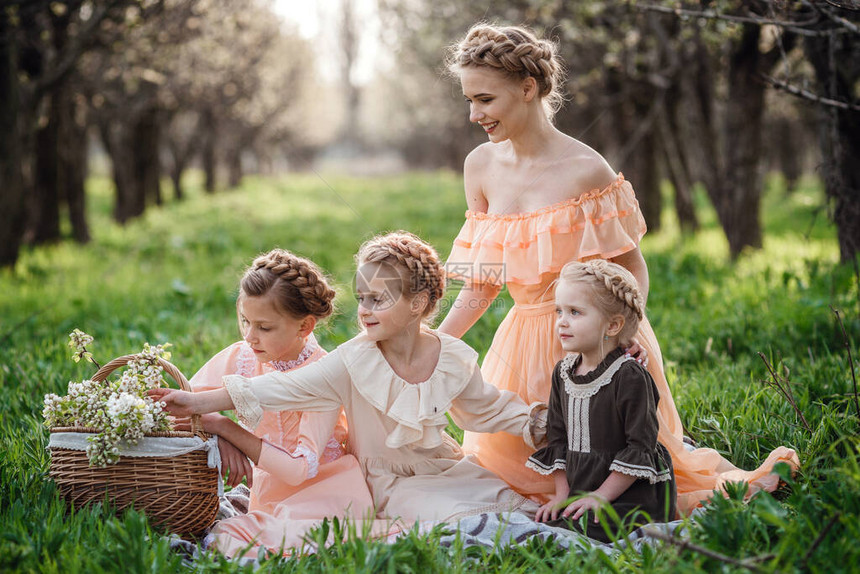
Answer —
178 492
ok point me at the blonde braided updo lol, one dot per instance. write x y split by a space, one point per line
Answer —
416 262
516 52
615 291
299 287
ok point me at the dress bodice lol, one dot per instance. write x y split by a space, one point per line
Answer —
526 251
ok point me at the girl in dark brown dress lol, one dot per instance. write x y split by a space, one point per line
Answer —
602 430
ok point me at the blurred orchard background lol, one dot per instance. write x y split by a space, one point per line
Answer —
708 95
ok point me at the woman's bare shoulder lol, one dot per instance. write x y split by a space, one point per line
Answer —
474 168
585 169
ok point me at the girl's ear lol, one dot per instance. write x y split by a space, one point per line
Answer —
615 325
419 303
308 325
529 88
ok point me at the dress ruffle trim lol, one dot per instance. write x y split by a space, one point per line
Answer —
548 459
584 390
519 248
417 408
641 464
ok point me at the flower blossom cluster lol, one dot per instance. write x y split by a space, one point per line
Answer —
78 340
118 410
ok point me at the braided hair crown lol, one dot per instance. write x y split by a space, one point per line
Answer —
416 261
300 287
515 51
615 288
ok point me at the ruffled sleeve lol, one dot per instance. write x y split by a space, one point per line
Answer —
636 397
481 407
554 455
319 386
519 248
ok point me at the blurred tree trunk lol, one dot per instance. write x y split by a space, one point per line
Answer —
147 167
676 161
73 163
181 139
44 219
731 151
12 203
208 125
836 59
634 117
738 197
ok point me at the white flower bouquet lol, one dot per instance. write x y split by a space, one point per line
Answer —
117 410
109 439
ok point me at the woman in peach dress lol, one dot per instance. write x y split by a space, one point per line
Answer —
537 199
278 293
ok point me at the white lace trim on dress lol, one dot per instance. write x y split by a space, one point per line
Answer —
333 451
310 458
583 391
309 349
543 469
640 471
248 409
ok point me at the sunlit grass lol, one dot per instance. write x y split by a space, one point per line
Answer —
172 274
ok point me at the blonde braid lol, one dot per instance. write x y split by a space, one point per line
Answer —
418 259
619 282
304 289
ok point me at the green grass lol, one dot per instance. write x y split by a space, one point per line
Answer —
172 275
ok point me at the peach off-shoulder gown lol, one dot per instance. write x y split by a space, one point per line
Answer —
526 251
280 514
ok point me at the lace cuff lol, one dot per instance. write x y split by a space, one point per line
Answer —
534 433
541 468
247 405
310 458
333 451
649 473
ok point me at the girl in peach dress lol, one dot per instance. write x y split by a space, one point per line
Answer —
537 199
396 381
302 473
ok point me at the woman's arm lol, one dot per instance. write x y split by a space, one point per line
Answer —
635 263
470 304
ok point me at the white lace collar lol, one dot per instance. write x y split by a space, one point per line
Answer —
309 349
589 389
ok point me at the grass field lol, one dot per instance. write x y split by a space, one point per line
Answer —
172 275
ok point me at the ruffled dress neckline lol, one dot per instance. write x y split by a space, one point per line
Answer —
522 248
566 203
417 408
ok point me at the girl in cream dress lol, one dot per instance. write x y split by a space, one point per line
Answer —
396 381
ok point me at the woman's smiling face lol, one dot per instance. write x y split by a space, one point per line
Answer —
496 102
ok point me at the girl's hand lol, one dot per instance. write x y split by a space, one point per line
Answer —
234 464
550 510
636 351
178 403
579 507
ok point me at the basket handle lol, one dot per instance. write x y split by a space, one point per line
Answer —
170 369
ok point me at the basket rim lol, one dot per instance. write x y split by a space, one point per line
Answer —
159 434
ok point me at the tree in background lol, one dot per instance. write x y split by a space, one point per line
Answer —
40 156
154 78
